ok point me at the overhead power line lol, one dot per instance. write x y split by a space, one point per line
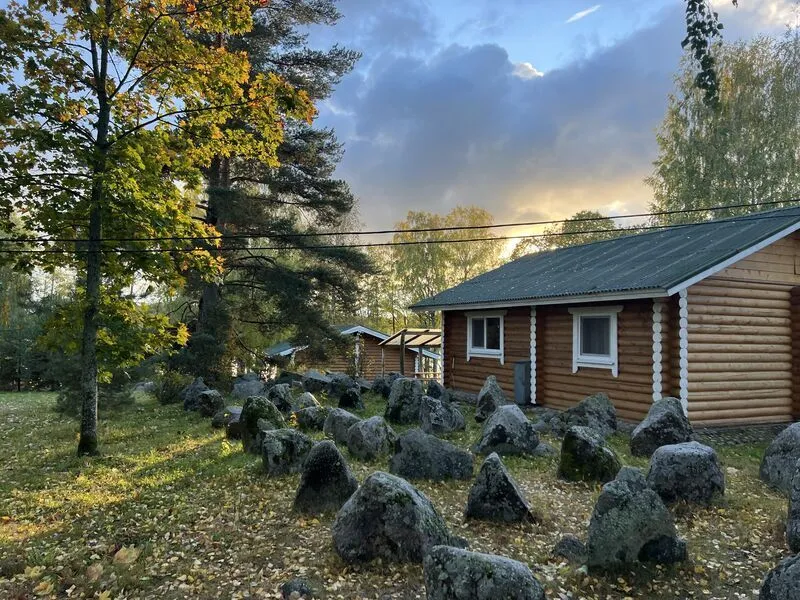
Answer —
746 218
268 234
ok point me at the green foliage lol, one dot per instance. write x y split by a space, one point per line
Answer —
169 385
584 227
744 151
702 27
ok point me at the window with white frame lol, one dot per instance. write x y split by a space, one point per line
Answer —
485 335
594 338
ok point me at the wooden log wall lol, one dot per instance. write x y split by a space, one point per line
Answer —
631 391
742 340
469 376
371 362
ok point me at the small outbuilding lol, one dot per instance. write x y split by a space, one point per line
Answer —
708 313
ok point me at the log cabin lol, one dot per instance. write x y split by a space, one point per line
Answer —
362 357
708 313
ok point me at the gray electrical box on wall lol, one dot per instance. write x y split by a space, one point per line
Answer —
522 382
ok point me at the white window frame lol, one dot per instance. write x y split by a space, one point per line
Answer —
485 352
594 361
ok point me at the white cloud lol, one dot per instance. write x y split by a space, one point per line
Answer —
583 13
525 70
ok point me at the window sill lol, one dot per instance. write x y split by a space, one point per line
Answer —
480 353
595 364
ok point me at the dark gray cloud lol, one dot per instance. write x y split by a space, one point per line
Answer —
456 125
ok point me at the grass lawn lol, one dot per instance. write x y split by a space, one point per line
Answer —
197 518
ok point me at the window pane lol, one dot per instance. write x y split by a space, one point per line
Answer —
477 333
596 335
493 333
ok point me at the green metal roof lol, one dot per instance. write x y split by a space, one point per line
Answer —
651 262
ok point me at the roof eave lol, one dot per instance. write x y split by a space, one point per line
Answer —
577 299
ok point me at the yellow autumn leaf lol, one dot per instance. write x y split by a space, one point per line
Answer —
126 555
94 571
105 595
33 572
44 588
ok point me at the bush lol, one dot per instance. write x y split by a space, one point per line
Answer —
169 386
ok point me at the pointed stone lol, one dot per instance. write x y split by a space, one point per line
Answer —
327 481
495 496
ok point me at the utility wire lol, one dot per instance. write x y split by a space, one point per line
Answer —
266 234
744 218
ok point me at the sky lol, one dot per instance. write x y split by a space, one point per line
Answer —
531 109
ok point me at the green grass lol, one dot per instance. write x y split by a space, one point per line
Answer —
207 523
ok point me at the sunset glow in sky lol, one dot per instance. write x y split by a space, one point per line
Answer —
533 109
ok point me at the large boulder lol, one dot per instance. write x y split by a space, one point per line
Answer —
233 424
339 384
258 414
315 382
370 438
437 416
495 496
281 396
793 521
247 385
327 481
209 402
381 386
351 398
508 432
585 456
665 423
337 424
388 518
191 393
456 574
595 411
311 418
306 400
630 523
489 399
778 464
284 451
434 389
688 471
404 402
782 582
224 415
570 548
418 455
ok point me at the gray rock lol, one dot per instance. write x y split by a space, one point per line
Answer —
297 589
436 390
306 400
284 451
495 496
489 399
381 386
793 521
339 384
404 402
223 416
191 393
595 411
370 438
337 423
508 432
281 396
311 418
233 426
585 456
545 449
456 574
688 471
351 399
629 523
209 402
388 518
782 582
248 385
146 387
665 423
437 416
364 386
315 382
570 548
418 455
327 481
780 458
258 413
463 398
